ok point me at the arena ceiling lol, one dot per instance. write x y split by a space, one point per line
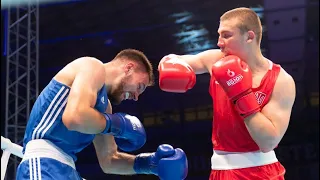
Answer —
101 28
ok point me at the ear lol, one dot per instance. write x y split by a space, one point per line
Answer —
128 67
251 36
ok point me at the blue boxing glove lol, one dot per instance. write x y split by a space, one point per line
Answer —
166 162
127 130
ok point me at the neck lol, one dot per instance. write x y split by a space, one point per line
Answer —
257 62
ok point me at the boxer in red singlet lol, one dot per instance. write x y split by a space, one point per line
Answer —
252 98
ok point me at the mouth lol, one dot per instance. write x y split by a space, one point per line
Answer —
224 52
126 95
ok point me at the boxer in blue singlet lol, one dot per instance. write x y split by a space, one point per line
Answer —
74 109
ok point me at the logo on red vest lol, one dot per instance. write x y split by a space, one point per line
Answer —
260 96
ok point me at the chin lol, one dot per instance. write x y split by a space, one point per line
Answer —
226 53
231 53
114 100
117 102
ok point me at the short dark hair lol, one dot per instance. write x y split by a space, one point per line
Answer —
140 58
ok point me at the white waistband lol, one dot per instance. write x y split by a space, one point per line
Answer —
241 160
44 148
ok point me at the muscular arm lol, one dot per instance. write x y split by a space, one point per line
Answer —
80 114
269 126
202 62
111 161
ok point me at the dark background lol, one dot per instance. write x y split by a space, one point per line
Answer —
101 29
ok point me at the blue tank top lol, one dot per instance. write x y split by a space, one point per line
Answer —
45 121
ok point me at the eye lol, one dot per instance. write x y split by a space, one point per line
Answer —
226 36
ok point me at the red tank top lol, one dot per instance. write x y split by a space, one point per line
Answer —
229 132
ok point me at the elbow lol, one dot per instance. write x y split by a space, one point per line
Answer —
106 166
71 119
268 146
266 150
106 163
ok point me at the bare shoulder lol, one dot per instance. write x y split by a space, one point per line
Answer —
285 79
87 60
89 64
209 57
285 89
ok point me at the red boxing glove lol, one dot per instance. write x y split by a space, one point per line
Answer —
235 78
175 75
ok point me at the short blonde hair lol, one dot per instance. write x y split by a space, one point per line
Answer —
248 20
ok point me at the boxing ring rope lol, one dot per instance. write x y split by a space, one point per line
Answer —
8 148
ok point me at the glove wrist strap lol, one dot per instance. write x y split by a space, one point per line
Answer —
113 122
108 124
247 105
142 164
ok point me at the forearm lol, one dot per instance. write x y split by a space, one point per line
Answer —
88 121
262 131
120 163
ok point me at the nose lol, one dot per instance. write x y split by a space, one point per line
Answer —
220 43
